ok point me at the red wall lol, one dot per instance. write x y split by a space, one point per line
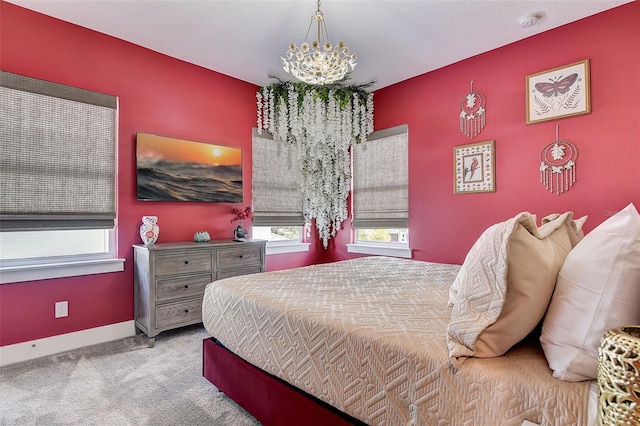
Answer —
443 226
165 96
157 94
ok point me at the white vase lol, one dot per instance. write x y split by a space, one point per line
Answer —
149 230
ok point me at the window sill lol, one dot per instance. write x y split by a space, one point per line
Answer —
16 274
380 250
288 247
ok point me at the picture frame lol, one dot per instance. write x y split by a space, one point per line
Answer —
174 169
558 93
474 168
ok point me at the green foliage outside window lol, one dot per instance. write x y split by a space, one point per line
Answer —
287 232
374 235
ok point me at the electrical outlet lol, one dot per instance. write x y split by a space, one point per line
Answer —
62 309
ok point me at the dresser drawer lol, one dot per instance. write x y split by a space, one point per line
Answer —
226 273
182 287
178 314
238 257
183 262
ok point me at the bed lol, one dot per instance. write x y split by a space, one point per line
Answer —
364 340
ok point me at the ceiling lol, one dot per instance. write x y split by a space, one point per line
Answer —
393 39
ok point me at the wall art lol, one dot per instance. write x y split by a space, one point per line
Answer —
558 93
474 168
558 165
171 169
473 113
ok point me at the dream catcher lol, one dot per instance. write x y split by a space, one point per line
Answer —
558 165
472 113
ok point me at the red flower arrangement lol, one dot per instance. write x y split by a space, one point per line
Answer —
240 214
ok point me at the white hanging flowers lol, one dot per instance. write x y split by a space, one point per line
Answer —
322 122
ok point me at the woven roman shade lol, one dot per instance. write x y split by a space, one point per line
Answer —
381 180
57 156
277 197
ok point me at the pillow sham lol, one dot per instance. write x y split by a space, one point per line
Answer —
574 231
574 227
505 285
598 289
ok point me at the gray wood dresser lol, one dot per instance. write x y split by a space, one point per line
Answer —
170 279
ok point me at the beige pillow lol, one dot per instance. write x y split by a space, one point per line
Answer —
574 230
598 289
574 227
506 284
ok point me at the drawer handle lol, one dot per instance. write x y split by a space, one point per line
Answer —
186 262
186 286
186 311
241 256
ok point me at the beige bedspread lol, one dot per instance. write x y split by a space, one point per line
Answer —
368 337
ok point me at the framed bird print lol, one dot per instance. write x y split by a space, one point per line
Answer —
558 93
474 168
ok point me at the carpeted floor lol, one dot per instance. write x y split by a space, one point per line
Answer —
119 383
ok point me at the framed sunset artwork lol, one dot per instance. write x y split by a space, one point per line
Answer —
171 169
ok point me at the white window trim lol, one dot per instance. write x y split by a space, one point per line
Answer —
70 268
380 250
280 247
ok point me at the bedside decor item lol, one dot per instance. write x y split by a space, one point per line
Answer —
473 113
318 62
619 377
474 168
149 230
240 214
558 165
172 169
201 237
322 122
558 93
239 234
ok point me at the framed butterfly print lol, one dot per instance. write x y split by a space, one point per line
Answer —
474 168
558 93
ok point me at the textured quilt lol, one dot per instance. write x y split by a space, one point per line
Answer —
368 336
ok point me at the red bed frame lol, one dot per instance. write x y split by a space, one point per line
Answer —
272 401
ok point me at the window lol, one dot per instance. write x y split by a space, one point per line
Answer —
29 244
382 236
380 194
278 233
57 177
277 199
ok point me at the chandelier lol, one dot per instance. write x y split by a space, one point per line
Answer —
319 62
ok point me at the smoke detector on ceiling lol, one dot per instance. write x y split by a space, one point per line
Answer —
527 21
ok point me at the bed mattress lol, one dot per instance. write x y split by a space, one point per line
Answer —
368 337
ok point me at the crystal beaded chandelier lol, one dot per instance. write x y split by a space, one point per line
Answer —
319 62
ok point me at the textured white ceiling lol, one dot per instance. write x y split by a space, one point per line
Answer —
394 40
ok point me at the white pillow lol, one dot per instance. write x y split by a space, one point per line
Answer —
598 288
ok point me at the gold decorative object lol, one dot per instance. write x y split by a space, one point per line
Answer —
619 377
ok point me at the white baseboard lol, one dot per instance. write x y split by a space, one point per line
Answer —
24 351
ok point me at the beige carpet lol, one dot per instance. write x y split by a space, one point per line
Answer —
119 383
